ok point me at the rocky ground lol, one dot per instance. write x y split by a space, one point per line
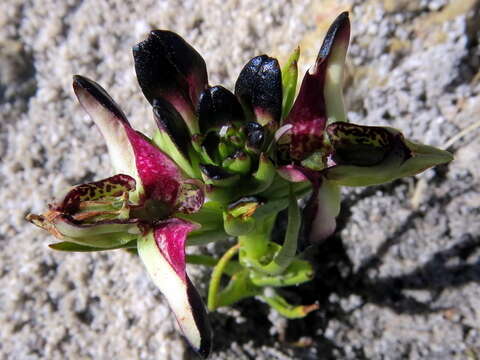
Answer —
399 280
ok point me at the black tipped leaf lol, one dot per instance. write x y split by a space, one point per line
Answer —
259 89
218 106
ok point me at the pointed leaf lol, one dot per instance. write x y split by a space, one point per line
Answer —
284 257
320 97
298 272
73 247
289 82
163 254
285 309
259 89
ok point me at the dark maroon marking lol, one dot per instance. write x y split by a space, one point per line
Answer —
72 200
201 320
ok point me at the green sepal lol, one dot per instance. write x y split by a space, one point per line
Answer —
298 272
74 247
104 241
289 82
239 164
285 309
165 143
260 179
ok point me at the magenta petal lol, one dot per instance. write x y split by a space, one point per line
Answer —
160 176
170 237
292 173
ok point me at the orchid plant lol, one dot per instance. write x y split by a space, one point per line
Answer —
221 167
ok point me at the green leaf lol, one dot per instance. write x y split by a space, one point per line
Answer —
289 82
166 144
74 247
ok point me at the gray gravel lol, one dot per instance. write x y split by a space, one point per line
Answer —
395 282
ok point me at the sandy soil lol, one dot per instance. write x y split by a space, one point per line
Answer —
399 280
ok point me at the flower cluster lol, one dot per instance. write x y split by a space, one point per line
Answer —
221 166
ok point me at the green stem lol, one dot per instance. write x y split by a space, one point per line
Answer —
255 244
287 252
284 308
212 302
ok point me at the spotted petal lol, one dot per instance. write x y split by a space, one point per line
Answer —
163 253
370 155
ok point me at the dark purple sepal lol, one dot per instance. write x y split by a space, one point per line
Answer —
259 89
166 62
255 136
218 106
